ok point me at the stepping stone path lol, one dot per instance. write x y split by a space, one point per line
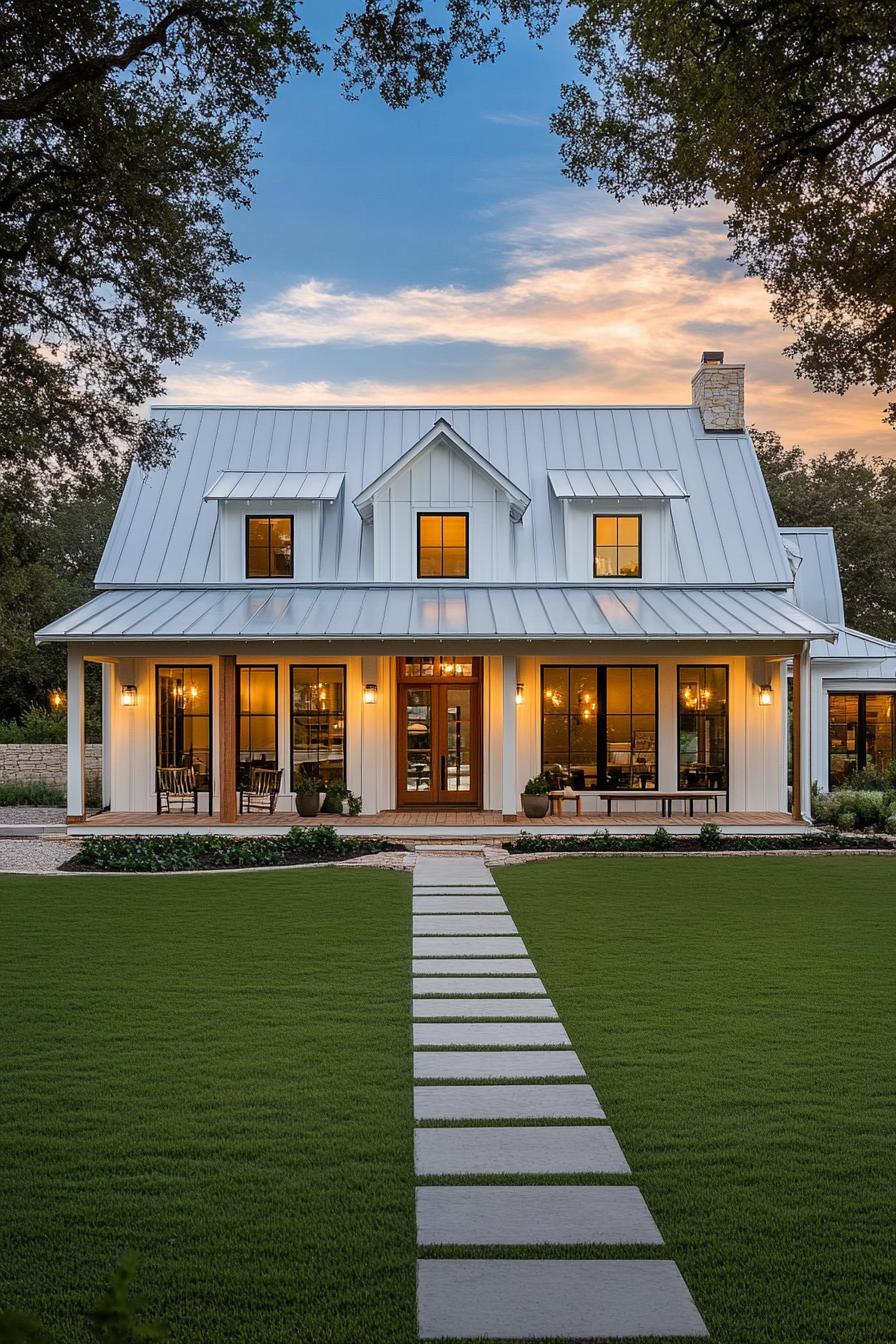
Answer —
487 1106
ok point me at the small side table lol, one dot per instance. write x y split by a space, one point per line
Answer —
558 798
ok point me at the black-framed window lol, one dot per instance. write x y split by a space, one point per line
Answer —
256 719
599 726
617 546
861 732
269 551
703 726
317 705
184 718
443 545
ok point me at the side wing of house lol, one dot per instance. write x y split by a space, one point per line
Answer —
853 677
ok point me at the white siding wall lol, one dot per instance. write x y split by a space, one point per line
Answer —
757 750
656 535
441 481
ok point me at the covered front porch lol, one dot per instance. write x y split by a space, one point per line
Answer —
442 742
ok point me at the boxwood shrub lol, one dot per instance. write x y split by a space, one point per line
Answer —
179 853
710 839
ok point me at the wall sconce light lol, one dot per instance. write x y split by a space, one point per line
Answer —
520 692
765 695
370 693
57 700
129 695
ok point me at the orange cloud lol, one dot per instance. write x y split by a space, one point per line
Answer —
630 295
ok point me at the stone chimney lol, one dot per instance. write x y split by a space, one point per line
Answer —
717 390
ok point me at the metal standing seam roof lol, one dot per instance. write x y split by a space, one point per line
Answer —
723 528
816 583
616 485
291 485
852 644
418 611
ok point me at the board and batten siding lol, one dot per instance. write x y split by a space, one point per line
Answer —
442 481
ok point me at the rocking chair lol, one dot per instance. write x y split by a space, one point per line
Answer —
176 788
263 791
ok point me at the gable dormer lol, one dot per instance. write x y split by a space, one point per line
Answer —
276 526
441 513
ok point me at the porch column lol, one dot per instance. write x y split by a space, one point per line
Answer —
801 790
227 737
74 794
510 784
108 692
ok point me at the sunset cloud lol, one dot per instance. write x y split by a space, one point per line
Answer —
623 299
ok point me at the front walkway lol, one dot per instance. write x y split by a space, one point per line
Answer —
489 1047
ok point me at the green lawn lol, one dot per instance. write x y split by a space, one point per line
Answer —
737 1019
214 1072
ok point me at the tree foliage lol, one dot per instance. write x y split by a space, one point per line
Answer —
787 113
52 533
126 130
854 495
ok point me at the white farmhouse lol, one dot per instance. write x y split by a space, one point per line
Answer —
435 604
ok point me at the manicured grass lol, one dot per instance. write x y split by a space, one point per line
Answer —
737 1019
214 1072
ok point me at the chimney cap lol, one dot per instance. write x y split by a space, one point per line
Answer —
712 357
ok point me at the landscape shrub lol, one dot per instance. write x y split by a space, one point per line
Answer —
30 794
711 836
180 853
855 809
36 725
602 842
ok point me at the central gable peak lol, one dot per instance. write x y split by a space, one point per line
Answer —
442 435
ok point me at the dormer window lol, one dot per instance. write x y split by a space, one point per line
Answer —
269 547
617 546
442 549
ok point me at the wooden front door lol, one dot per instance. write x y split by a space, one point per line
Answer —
440 732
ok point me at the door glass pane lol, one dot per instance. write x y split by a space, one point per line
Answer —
879 734
844 728
418 739
457 739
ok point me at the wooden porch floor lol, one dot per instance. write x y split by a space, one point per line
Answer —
438 820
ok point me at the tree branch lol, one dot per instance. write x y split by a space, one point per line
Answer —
92 69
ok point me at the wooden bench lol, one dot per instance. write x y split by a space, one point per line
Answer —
667 797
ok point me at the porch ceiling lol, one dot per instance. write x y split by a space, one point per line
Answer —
372 612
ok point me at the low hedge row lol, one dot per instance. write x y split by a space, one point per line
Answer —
709 840
180 853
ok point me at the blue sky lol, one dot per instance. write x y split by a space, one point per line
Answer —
438 255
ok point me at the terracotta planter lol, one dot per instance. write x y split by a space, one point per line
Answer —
307 804
535 804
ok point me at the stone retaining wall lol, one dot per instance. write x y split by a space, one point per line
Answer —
45 763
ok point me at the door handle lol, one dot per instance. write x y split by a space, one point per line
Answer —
444 773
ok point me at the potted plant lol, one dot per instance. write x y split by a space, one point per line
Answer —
307 790
339 798
534 797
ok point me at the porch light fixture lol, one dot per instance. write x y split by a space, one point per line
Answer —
765 695
57 699
370 693
520 692
129 695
